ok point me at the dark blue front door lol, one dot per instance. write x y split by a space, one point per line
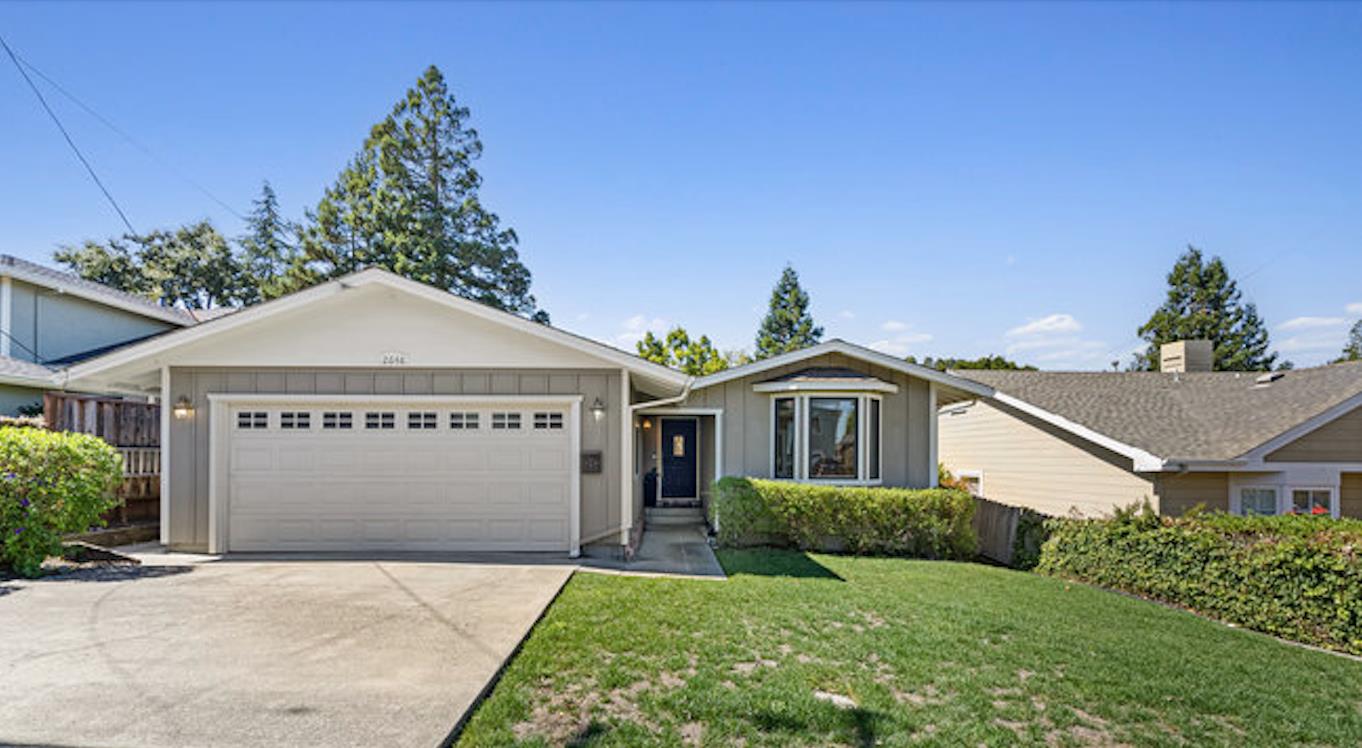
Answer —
678 459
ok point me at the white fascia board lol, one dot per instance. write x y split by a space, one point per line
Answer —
1144 462
108 297
166 343
854 351
823 385
247 398
1296 432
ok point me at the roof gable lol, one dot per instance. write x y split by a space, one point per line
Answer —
371 318
39 275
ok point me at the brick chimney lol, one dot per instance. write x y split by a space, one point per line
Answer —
1187 356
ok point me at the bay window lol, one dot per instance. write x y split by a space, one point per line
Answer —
826 437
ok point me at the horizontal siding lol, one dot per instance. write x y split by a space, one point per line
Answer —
1350 495
1340 440
1179 493
1026 462
189 464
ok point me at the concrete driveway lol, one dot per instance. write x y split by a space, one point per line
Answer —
259 652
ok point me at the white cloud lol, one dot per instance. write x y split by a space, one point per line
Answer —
1312 323
846 314
894 325
899 345
1354 308
634 328
1047 325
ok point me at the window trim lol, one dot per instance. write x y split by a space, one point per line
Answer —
1287 500
801 421
1276 497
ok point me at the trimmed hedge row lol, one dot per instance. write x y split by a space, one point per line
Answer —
1297 577
928 523
51 484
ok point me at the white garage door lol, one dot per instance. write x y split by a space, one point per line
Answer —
318 476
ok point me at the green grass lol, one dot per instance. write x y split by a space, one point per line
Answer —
930 653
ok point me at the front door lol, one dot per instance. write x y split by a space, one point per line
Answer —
679 479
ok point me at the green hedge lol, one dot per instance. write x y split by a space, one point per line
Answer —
930 523
1297 577
51 484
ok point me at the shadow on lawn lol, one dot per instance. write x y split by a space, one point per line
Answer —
775 563
863 722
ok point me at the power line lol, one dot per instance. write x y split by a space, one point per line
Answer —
134 142
15 59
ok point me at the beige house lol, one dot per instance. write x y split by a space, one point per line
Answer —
1087 442
373 413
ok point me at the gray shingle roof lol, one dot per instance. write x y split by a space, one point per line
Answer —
13 368
1198 416
45 276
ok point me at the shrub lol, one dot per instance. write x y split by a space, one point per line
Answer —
1298 577
51 484
929 523
1033 529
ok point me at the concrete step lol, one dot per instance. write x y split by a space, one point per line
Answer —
687 515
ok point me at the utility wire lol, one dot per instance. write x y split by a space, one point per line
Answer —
134 142
15 59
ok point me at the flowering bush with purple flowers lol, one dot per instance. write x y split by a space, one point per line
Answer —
51 484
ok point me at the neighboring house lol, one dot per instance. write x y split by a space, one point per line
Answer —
1088 442
49 319
374 413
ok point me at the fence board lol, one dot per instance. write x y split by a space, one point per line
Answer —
996 526
134 428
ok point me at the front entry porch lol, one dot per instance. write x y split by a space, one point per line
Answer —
678 456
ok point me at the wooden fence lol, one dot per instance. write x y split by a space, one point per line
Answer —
134 428
996 526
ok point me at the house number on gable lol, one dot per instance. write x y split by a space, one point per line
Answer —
394 358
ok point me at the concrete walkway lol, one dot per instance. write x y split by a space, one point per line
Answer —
196 651
667 550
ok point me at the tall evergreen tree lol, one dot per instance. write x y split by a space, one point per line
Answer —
1353 350
408 202
1204 302
788 326
269 249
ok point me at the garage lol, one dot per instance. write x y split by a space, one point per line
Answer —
400 474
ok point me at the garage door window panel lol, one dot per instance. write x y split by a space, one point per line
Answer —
505 421
338 421
422 421
294 420
252 419
380 420
463 421
550 421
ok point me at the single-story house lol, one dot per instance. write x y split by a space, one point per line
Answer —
1087 442
374 413
50 319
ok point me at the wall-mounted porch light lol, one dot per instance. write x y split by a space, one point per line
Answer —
598 409
183 408
647 423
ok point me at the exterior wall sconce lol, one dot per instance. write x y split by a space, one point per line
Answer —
647 423
598 409
183 408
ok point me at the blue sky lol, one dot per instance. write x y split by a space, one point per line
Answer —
948 179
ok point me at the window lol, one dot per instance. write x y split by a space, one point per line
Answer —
833 437
461 421
295 420
255 419
548 420
826 437
422 421
973 481
1257 500
509 421
376 420
334 420
1311 500
784 438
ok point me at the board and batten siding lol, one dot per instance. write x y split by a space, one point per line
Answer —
905 415
1339 440
1027 462
189 438
1180 492
1350 495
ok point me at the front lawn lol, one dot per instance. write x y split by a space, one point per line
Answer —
815 650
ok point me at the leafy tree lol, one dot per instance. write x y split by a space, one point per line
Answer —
696 357
408 202
268 250
788 326
983 362
191 267
1353 350
1204 302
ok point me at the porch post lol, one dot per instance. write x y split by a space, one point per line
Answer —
626 460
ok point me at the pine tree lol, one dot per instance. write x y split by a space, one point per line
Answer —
1353 350
1204 303
268 250
408 202
788 326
